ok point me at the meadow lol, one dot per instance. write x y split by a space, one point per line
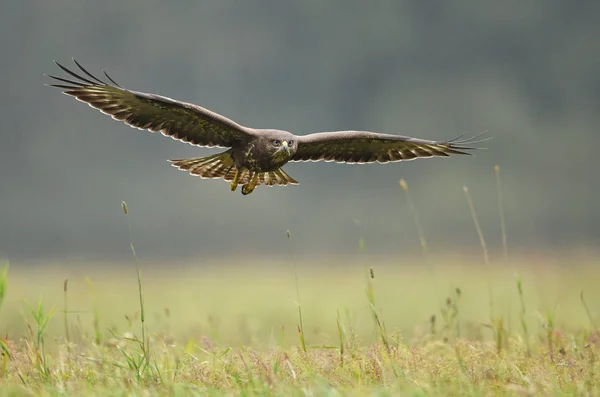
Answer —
423 327
451 323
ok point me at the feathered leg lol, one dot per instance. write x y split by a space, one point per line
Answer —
236 179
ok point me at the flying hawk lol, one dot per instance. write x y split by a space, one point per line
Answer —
255 156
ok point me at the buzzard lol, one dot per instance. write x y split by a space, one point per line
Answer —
255 156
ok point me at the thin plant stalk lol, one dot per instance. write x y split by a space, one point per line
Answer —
379 326
3 278
587 311
421 235
503 231
145 343
486 259
66 313
415 215
341 333
370 292
501 211
4 351
301 326
523 322
96 313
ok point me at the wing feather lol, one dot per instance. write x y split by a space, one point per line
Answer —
370 147
179 120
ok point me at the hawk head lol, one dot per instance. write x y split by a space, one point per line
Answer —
280 145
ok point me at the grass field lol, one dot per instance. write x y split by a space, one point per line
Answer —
442 326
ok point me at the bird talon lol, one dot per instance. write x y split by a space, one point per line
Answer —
246 190
250 186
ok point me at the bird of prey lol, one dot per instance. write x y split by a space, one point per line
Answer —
255 156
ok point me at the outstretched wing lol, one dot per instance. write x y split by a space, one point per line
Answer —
369 147
179 120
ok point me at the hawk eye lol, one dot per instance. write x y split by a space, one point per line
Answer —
290 142
276 142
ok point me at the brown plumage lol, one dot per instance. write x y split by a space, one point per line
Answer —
255 156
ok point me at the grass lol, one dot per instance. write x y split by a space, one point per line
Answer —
234 330
366 325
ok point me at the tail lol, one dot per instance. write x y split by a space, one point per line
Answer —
221 165
277 177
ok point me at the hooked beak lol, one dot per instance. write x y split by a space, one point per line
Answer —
284 145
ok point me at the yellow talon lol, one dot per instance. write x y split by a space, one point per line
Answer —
250 186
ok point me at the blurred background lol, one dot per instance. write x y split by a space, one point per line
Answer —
526 72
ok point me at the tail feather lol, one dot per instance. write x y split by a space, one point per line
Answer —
222 166
216 166
285 177
277 177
